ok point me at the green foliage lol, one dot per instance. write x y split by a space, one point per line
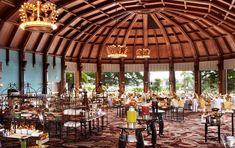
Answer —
157 85
133 78
138 89
209 81
88 77
110 79
187 81
231 81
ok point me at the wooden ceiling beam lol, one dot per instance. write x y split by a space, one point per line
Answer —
145 29
198 35
199 28
129 30
177 38
117 25
11 36
193 49
227 44
164 34
74 48
134 47
105 25
11 12
104 29
200 14
215 4
26 40
80 50
37 42
8 2
157 46
95 22
211 24
56 49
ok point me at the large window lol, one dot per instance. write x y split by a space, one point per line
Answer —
184 82
134 81
159 81
110 81
69 80
231 81
209 81
88 81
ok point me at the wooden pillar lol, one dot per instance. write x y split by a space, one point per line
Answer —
197 78
122 77
63 67
22 66
98 78
79 74
146 76
45 66
172 77
222 76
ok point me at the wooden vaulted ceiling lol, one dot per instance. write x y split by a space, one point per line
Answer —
178 30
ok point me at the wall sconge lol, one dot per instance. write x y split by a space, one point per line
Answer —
123 82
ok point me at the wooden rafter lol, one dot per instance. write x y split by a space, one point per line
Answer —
193 49
36 44
157 46
11 36
219 52
145 29
9 13
74 49
203 42
98 29
129 29
212 24
104 29
177 38
168 44
117 25
57 46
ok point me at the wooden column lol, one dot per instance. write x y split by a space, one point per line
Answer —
172 77
98 78
45 66
197 78
122 77
222 76
22 65
63 67
79 74
146 76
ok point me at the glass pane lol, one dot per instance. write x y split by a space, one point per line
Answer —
231 81
134 81
209 82
159 81
184 82
110 81
88 81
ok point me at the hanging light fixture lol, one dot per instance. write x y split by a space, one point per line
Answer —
39 17
116 50
143 53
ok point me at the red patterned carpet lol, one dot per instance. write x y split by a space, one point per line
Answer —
185 134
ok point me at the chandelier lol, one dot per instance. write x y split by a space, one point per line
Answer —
143 53
116 51
39 17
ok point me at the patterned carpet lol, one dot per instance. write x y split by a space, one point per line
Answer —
185 134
